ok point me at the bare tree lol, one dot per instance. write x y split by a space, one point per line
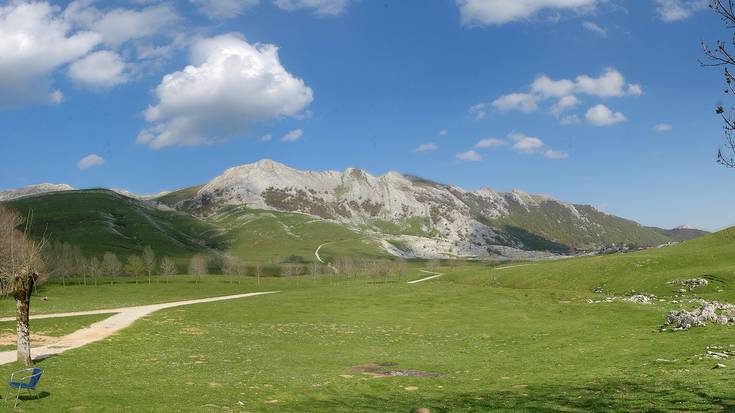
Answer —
135 266
94 269
197 267
233 266
720 55
168 267
149 261
21 269
111 266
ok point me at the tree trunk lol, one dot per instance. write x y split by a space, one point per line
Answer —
23 289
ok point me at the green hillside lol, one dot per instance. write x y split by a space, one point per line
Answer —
173 198
711 257
268 236
100 220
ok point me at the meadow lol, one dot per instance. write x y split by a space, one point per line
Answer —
483 337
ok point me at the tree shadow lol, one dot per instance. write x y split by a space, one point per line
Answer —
611 395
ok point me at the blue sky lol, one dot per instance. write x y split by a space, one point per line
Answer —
362 83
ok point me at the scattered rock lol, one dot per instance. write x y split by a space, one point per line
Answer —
707 311
640 298
274 401
690 284
422 410
410 388
719 366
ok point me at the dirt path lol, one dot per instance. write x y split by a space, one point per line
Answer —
511 266
123 318
435 275
329 264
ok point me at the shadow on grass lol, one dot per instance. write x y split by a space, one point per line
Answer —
614 395
27 397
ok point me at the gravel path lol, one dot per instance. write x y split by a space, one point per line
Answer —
123 318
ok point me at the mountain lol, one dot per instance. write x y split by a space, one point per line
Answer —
268 212
29 190
415 217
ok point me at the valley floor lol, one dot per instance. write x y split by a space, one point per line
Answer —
542 337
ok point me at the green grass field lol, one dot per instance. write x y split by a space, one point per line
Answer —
480 338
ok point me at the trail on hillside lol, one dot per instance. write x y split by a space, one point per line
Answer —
435 275
329 264
123 318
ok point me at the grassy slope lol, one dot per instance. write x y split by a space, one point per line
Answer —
172 198
517 339
101 220
266 236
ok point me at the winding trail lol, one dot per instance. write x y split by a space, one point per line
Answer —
435 275
329 264
123 318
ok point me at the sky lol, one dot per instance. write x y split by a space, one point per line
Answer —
600 102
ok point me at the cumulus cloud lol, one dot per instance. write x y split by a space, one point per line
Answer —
426 147
223 9
443 132
497 12
610 83
516 101
675 10
490 143
292 136
35 40
564 104
552 154
318 7
90 161
601 115
101 69
526 144
266 138
469 156
595 28
663 127
229 85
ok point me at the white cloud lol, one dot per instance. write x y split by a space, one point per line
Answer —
443 132
266 138
56 96
516 101
546 87
121 25
426 147
610 83
318 7
35 41
675 10
292 136
489 12
601 115
469 156
223 9
564 104
526 144
229 85
490 143
595 28
90 161
101 69
479 111
663 127
552 154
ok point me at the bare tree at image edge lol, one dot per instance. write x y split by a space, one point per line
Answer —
21 269
720 56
